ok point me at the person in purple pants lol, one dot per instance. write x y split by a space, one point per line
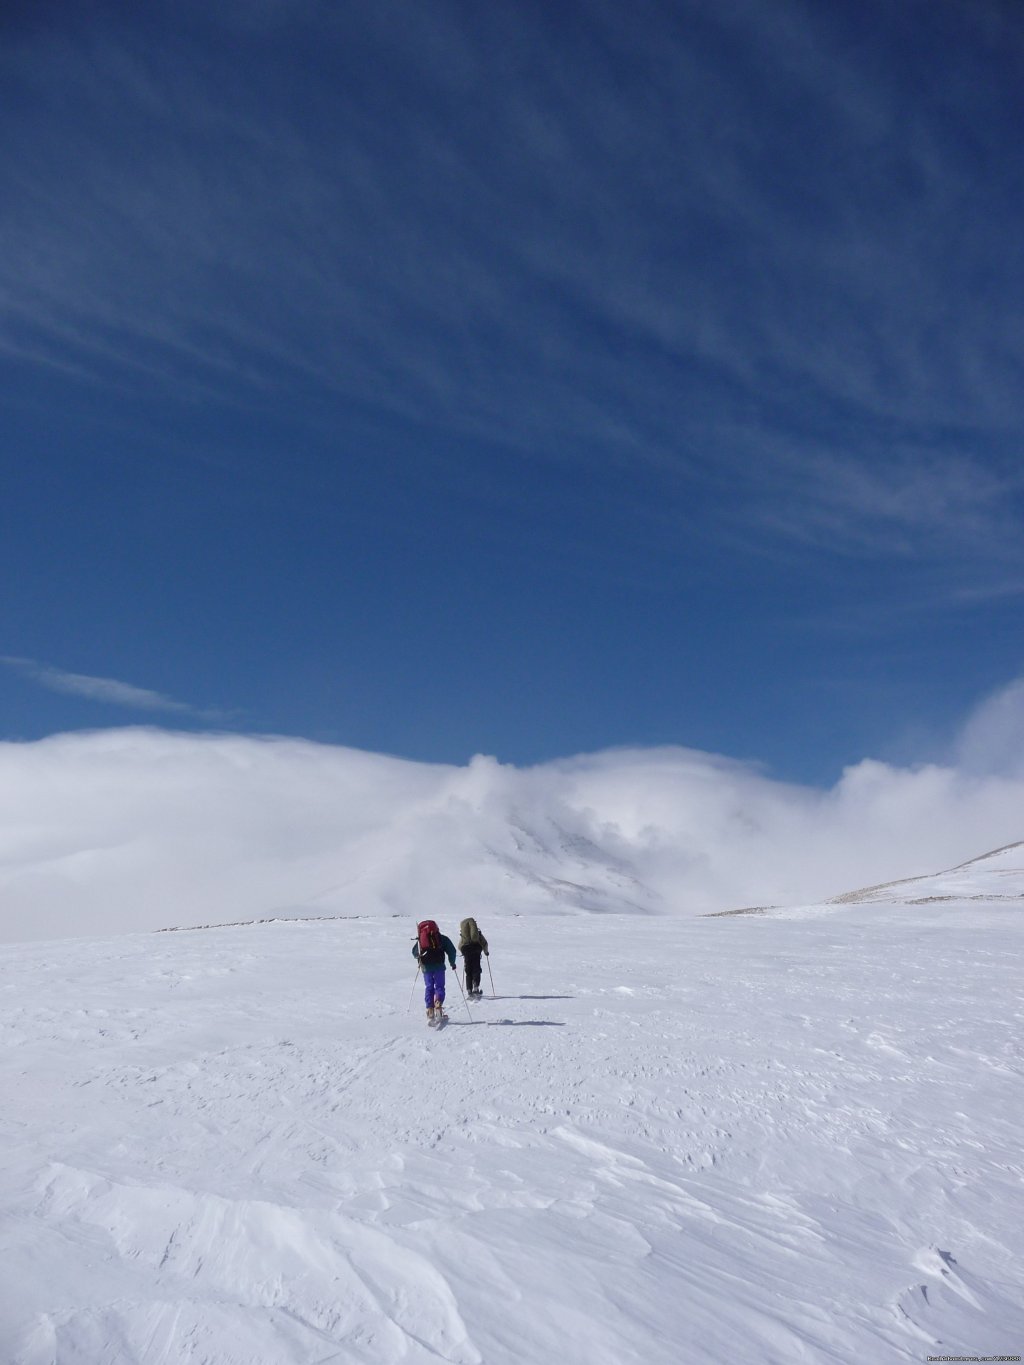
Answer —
430 950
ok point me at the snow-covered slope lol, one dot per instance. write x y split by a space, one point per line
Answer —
992 877
758 1139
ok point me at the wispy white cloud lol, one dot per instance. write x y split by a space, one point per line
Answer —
106 690
914 502
528 276
989 592
992 740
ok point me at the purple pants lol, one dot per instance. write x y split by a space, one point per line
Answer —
433 986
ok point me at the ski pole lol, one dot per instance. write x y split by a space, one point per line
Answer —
490 974
464 1000
413 991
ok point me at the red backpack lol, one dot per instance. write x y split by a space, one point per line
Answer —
429 936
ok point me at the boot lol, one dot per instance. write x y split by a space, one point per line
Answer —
430 1014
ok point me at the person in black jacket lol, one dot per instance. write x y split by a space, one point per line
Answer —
471 944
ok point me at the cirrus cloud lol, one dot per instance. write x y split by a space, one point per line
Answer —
107 690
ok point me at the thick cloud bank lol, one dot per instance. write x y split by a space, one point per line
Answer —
141 829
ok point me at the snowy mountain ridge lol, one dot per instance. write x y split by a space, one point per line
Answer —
990 877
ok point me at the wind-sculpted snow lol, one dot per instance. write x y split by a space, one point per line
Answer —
788 1137
144 829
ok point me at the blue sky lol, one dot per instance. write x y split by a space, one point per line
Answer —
438 377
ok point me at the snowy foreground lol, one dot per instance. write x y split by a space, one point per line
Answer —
785 1137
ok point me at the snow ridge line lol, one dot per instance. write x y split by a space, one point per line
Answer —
267 919
848 897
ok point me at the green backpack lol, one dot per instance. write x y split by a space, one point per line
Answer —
468 932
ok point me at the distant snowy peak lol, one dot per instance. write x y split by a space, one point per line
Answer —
570 869
451 860
1010 856
994 876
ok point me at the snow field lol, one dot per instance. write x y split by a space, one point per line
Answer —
775 1139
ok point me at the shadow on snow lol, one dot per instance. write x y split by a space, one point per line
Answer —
526 997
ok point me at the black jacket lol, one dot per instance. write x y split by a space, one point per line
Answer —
434 957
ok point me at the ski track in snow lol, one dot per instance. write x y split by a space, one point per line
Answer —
783 1138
